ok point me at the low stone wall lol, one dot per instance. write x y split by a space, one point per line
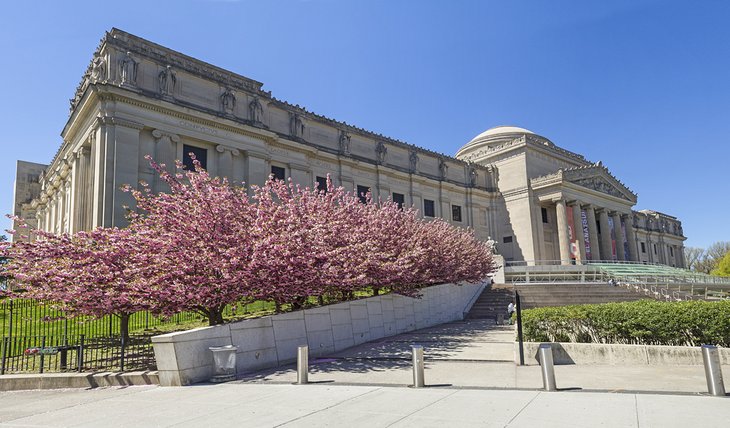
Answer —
183 358
18 382
616 354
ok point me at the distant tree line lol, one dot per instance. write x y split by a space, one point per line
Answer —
714 260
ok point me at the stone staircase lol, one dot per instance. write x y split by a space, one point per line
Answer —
494 299
492 302
562 294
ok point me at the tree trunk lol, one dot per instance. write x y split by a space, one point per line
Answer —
124 326
215 316
376 291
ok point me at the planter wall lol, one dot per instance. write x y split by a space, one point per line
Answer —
616 354
183 358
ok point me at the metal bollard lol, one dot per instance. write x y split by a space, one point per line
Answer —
546 367
418 380
303 364
713 370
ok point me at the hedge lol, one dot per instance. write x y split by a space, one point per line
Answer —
644 322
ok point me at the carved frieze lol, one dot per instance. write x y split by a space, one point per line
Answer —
599 184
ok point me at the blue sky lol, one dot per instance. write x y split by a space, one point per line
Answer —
641 85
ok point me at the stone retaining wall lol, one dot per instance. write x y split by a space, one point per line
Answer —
183 358
616 354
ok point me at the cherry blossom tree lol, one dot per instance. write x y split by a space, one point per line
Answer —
93 273
203 241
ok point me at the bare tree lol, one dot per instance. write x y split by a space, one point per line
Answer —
692 256
710 257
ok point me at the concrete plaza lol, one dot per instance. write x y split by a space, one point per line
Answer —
471 381
255 405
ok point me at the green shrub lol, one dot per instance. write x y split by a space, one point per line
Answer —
645 322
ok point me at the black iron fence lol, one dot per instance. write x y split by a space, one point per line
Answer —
37 337
39 354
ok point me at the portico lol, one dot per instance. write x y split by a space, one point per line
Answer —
592 210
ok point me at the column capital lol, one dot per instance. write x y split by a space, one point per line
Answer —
160 135
220 148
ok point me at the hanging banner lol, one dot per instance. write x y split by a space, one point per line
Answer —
586 235
625 240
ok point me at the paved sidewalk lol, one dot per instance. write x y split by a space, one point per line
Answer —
256 405
471 378
478 354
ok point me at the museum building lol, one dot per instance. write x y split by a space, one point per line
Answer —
539 202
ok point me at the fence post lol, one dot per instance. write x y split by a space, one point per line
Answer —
519 328
4 353
43 356
121 359
80 353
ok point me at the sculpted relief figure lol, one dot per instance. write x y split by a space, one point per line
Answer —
380 152
413 160
128 69
256 111
473 174
296 126
98 69
443 168
492 245
167 79
344 143
228 101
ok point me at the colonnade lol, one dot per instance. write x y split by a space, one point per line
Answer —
601 245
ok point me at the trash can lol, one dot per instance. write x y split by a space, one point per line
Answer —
224 363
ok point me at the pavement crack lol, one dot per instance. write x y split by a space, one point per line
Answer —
327 408
421 408
522 409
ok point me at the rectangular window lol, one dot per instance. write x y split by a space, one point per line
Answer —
507 240
201 155
278 172
671 251
654 248
399 199
543 210
456 213
643 248
322 184
362 192
429 210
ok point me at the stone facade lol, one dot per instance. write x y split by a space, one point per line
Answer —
138 98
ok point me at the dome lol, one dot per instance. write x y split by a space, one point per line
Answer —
497 130
492 135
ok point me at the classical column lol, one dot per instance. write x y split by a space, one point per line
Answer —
593 233
606 250
620 252
631 237
165 152
563 240
578 230
225 161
